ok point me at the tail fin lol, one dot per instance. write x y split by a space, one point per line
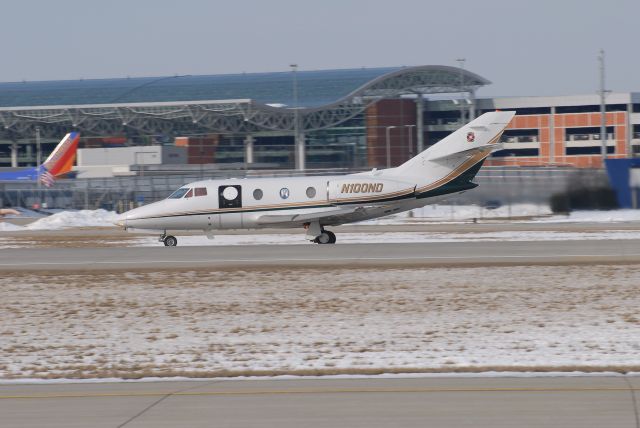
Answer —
479 137
63 156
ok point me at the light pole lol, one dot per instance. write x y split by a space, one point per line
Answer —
461 62
389 128
410 139
300 155
603 107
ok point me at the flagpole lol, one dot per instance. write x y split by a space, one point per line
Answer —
38 162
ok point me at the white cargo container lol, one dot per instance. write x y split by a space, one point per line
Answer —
116 161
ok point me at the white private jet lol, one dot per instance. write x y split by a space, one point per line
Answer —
313 203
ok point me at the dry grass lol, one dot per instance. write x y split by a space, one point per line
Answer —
140 372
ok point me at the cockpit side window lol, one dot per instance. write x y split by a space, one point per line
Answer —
189 193
200 191
179 193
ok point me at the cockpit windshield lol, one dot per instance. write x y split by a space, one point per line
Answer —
179 193
188 192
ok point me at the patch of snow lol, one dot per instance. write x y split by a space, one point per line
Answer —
68 219
458 213
538 214
487 374
617 216
9 227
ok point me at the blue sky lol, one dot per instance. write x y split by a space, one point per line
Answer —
540 47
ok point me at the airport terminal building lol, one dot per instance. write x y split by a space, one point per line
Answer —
348 119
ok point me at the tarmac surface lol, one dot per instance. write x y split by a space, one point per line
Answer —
574 401
499 253
598 401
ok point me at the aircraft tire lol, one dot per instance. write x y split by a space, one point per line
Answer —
326 237
170 241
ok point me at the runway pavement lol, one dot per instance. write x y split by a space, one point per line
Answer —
567 402
339 255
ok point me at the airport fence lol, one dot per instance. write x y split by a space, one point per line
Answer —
497 185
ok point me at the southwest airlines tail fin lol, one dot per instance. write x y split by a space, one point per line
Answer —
58 163
61 159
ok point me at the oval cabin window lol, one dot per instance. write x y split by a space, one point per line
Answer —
311 192
257 194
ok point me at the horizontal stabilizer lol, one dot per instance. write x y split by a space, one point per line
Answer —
485 148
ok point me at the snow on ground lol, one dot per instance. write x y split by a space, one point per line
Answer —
613 216
535 214
67 219
8 227
188 323
385 237
428 214
458 213
299 239
400 375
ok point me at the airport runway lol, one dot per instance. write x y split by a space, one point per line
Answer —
497 253
566 402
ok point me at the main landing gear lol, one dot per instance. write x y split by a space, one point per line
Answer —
326 237
318 234
169 240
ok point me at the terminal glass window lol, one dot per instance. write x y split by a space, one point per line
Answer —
179 193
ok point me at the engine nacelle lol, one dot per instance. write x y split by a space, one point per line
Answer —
356 189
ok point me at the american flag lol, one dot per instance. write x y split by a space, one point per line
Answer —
46 178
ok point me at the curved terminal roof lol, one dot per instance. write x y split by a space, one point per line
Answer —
315 88
237 103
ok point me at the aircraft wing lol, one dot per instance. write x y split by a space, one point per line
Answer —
326 217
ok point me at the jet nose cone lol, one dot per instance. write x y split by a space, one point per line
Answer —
121 220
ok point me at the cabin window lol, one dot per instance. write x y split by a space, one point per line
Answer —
230 196
257 194
179 193
189 193
200 191
230 193
311 192
284 193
